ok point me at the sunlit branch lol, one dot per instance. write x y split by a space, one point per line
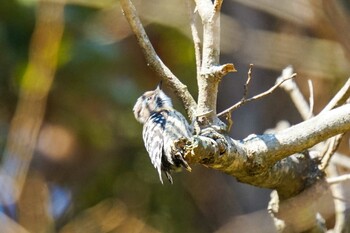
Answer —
155 62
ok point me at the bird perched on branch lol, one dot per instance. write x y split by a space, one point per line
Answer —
162 126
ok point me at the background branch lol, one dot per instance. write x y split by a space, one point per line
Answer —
35 86
327 148
295 94
339 197
338 179
311 99
340 98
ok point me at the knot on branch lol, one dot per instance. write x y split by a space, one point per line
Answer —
224 69
208 122
205 148
217 72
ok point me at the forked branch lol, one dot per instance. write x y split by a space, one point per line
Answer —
155 62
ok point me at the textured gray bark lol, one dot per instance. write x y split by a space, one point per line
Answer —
265 160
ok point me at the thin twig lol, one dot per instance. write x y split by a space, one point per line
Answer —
311 99
341 160
272 89
246 85
331 148
155 62
229 121
340 98
338 193
333 143
338 179
244 101
295 94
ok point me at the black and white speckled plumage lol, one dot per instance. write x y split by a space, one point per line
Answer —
162 126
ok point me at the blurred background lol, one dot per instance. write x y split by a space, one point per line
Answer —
72 156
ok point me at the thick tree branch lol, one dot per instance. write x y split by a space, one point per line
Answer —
195 36
155 62
313 131
329 147
211 72
261 160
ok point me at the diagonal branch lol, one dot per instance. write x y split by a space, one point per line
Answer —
338 179
155 62
261 160
340 98
330 146
295 94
